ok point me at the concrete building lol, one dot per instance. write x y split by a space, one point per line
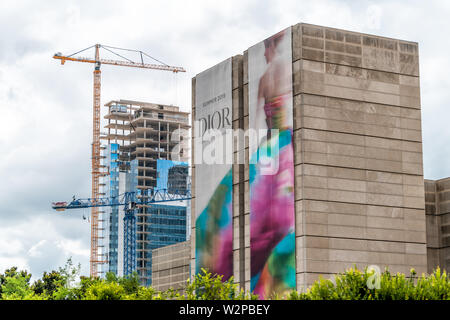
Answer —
171 266
139 134
437 209
359 187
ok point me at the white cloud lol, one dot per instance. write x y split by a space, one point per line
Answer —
10 246
36 250
40 244
7 262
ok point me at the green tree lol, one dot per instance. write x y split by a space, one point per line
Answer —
65 287
70 272
49 283
352 284
17 287
12 272
77 292
129 282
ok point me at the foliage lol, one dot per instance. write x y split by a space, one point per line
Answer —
49 283
69 273
206 286
129 283
76 292
105 291
352 284
11 273
17 287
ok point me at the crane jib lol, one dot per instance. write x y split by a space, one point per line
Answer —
122 200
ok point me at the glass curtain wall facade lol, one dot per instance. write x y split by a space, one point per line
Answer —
165 225
111 214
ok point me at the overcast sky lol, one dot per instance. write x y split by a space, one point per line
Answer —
46 108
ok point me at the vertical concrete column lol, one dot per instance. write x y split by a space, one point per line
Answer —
433 225
298 159
443 196
192 255
238 170
246 216
437 206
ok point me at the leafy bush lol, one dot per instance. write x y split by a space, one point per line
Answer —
352 284
105 291
206 286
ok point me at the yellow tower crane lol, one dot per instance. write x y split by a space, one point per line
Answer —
95 259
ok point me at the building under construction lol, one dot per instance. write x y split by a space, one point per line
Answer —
144 151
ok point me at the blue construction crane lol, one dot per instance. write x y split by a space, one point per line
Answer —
130 201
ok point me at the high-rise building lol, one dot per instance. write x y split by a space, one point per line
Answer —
110 215
139 136
340 113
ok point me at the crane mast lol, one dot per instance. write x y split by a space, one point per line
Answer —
95 259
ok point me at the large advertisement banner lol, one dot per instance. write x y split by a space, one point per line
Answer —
272 211
213 172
